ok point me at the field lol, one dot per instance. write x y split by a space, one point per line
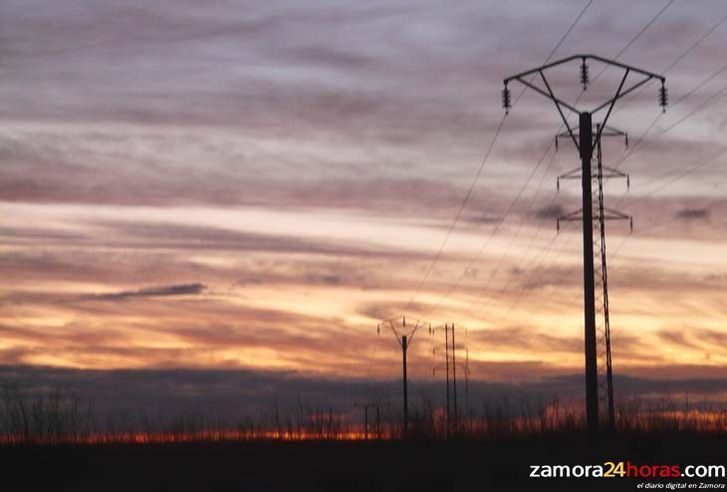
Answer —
54 441
226 465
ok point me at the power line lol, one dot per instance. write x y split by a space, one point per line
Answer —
522 221
482 165
684 54
568 31
495 230
539 271
688 171
680 175
666 70
459 213
632 41
696 43
559 43
707 103
656 225
703 105
621 52
644 29
640 141
696 110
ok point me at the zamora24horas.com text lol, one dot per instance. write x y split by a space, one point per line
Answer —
627 469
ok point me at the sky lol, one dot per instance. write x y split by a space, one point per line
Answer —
254 186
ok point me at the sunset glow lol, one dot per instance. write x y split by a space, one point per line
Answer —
257 188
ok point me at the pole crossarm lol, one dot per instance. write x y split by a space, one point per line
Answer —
577 216
622 91
612 214
549 93
391 322
567 59
609 214
608 173
608 131
605 172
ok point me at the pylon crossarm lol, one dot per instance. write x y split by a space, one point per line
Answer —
572 174
549 94
558 103
577 215
396 334
623 94
521 77
563 135
604 134
585 57
609 131
615 215
410 337
609 172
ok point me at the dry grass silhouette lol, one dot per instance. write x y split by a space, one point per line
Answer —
55 416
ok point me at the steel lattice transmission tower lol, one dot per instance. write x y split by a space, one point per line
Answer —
584 140
603 214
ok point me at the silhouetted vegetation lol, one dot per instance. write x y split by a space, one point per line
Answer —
54 416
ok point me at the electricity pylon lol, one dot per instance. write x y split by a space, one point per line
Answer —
603 214
584 142
404 338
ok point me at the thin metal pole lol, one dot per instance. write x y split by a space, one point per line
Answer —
585 132
466 381
604 279
454 379
446 366
404 346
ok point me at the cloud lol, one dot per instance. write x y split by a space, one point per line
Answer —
700 339
550 212
692 214
678 338
380 110
163 291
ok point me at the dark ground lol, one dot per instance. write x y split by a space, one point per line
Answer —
347 466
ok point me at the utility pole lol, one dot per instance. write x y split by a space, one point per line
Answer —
404 338
450 369
454 380
584 143
404 347
603 329
446 366
466 381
